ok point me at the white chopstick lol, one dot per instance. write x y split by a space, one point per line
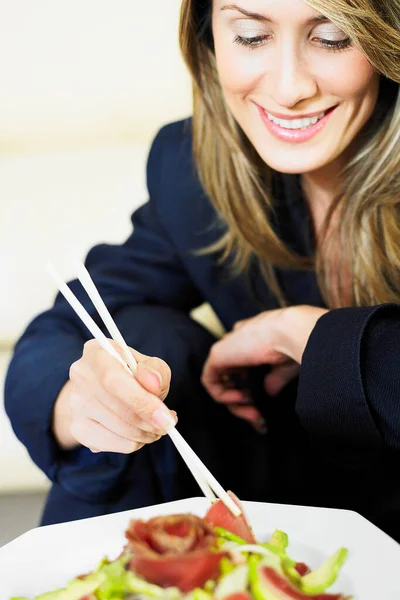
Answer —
85 317
203 476
92 292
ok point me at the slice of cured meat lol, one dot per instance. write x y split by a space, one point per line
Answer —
273 585
175 534
185 572
220 516
174 551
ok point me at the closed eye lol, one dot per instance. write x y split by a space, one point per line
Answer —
333 44
251 42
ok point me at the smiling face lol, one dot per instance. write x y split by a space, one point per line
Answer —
294 82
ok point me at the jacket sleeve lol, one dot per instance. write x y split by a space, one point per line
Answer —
349 388
144 270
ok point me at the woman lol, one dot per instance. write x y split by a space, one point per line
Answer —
277 204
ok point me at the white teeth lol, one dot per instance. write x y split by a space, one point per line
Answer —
295 123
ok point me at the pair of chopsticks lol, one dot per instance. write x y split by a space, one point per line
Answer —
206 481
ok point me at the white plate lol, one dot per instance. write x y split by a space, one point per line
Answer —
48 557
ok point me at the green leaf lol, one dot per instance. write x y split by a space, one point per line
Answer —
115 583
227 535
321 579
225 566
278 550
199 594
76 589
136 585
279 539
255 587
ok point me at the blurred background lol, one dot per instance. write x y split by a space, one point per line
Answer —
85 85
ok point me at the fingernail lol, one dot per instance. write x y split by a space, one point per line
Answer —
163 419
260 426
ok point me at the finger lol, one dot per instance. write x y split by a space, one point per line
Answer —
254 418
95 357
119 384
155 376
213 379
153 373
98 360
279 377
136 402
87 393
128 430
230 396
220 393
248 413
239 324
228 355
96 436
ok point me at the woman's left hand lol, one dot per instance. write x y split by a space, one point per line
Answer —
275 337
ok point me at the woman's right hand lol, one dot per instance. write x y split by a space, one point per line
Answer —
106 409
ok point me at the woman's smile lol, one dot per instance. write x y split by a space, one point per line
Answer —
294 81
295 128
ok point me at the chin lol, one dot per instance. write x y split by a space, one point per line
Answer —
297 163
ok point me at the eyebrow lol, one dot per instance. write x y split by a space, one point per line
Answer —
260 17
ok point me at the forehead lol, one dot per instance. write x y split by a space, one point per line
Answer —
275 10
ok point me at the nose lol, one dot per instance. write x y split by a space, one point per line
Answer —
292 81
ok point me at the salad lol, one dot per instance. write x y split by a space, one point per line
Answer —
185 557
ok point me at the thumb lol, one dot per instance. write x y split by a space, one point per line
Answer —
279 377
155 376
152 373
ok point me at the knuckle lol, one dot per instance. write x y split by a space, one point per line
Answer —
215 351
129 415
166 370
143 437
108 379
90 346
141 403
131 447
149 438
75 370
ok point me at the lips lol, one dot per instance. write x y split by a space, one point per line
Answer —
300 116
296 123
299 129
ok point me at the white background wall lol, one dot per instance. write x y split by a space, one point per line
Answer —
84 86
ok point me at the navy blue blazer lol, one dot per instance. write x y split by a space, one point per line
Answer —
348 399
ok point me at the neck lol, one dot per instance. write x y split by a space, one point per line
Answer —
320 189
321 186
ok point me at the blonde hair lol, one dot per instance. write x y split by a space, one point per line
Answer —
367 236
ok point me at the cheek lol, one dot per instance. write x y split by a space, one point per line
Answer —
239 70
351 78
